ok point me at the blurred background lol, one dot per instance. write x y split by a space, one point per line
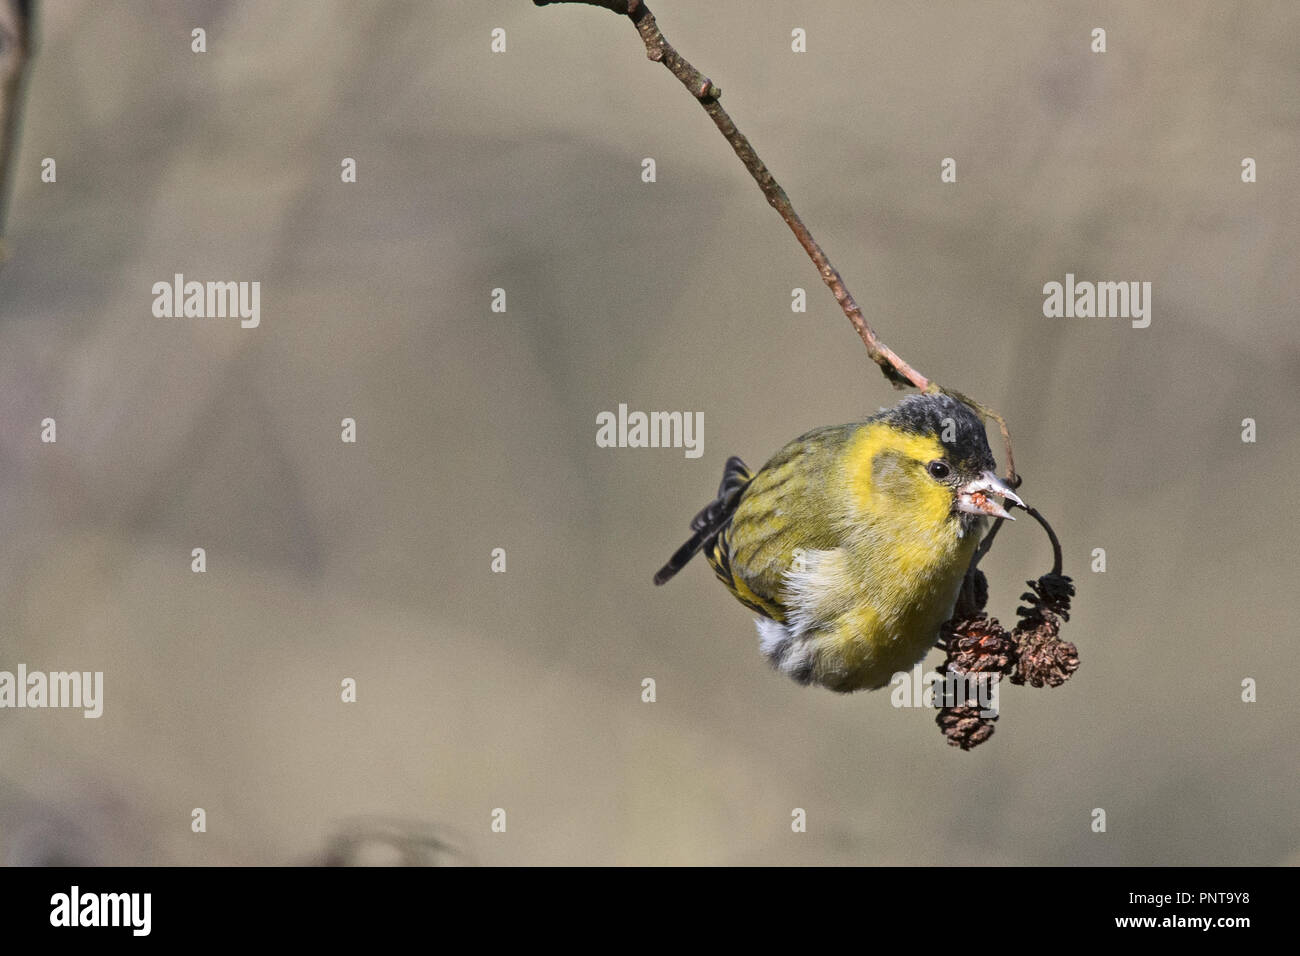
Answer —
476 430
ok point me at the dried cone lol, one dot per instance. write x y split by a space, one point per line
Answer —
977 644
964 727
1050 594
1044 659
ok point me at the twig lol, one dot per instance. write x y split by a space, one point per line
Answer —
987 543
703 89
15 51
1056 543
707 93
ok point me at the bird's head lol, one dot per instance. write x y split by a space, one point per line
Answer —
932 451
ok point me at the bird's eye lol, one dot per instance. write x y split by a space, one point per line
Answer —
938 470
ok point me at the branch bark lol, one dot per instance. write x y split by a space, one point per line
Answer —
15 52
707 93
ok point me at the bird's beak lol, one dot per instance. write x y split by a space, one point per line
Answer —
973 497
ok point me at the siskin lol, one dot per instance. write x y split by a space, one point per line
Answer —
852 542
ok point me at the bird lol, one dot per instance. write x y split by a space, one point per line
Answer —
852 542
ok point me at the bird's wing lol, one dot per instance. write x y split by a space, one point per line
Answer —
788 511
711 519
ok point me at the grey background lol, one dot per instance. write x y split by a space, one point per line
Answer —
521 170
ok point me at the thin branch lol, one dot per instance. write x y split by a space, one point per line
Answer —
707 93
986 544
1056 542
703 89
15 52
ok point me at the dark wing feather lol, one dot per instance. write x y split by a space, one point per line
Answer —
712 519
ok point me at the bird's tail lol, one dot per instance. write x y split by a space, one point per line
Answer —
714 517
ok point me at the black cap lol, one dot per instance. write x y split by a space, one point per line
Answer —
944 417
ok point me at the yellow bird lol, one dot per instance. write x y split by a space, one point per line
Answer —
853 540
